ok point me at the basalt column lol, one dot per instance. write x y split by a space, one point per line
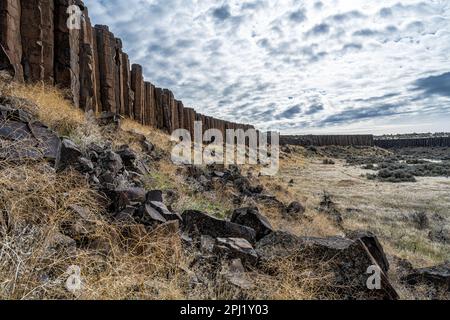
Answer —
118 76
167 103
149 108
186 117
180 109
159 108
10 38
137 85
88 84
37 40
105 54
67 50
126 85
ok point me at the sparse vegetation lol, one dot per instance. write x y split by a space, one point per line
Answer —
124 261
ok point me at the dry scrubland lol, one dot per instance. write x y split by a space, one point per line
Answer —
35 202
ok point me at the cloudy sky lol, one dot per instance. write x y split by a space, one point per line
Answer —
331 66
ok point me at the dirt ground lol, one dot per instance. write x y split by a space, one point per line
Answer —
389 210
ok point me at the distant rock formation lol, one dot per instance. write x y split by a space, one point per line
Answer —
327 140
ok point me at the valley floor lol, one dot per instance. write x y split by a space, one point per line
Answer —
389 210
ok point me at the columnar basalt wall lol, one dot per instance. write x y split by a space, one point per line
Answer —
328 140
413 143
38 42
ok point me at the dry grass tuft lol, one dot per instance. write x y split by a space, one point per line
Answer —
52 107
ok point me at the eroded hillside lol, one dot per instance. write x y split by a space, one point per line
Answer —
97 198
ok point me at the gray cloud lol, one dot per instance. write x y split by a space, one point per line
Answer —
434 85
222 13
341 64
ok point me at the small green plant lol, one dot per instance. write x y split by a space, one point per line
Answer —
156 180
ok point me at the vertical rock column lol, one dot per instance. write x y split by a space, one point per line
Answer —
88 85
118 77
10 38
167 99
186 117
67 50
105 54
159 108
126 85
149 108
180 109
137 85
48 40
37 40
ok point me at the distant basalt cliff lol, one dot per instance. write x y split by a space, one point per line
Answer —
36 45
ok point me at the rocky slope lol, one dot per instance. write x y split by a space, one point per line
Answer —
69 201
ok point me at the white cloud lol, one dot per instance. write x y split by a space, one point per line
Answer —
273 63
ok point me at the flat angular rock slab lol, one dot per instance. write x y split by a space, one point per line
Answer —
348 259
149 215
14 130
437 276
68 155
374 247
166 213
49 141
251 217
32 140
236 248
203 224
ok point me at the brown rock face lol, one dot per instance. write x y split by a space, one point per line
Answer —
126 108
118 75
10 38
105 54
37 33
137 85
88 85
67 51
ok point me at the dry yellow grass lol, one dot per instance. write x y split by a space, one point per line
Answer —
117 261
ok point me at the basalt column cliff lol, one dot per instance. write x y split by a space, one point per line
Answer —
37 45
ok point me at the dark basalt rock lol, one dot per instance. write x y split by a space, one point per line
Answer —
68 155
123 197
251 217
374 247
437 276
347 259
13 130
149 215
127 155
111 161
203 224
85 165
154 195
236 248
166 213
